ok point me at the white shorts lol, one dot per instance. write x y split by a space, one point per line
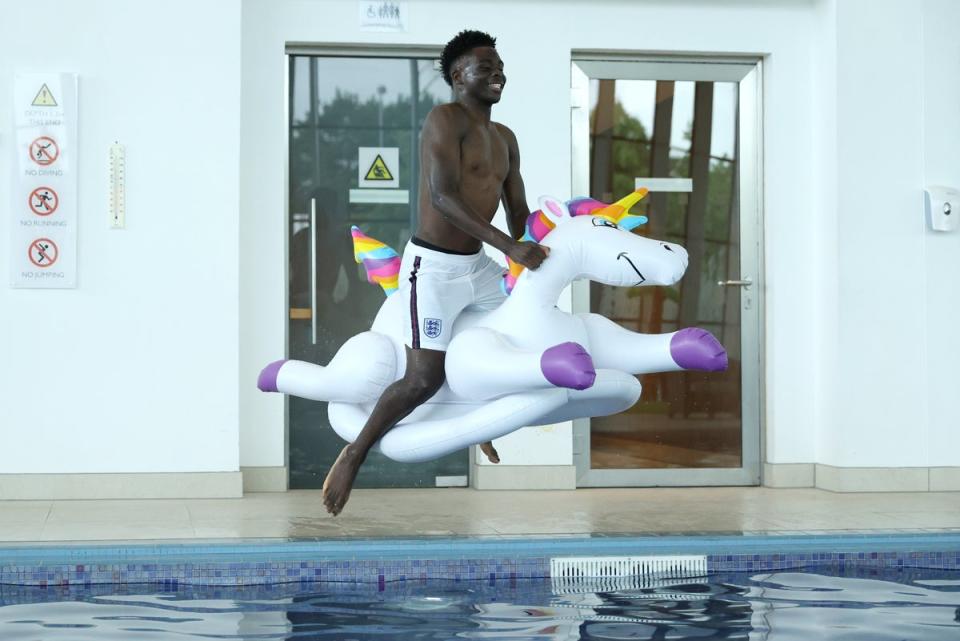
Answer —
436 287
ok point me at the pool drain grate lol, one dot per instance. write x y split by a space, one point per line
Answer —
573 572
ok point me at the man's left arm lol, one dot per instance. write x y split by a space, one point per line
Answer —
514 196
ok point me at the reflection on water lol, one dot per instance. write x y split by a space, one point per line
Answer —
862 604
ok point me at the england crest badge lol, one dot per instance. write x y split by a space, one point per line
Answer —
431 327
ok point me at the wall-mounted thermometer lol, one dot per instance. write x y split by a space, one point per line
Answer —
118 182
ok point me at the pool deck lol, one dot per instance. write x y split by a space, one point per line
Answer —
461 512
463 534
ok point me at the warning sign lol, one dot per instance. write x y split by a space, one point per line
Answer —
44 151
43 195
43 201
378 167
379 170
44 98
43 252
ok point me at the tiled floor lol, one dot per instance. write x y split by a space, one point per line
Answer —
465 512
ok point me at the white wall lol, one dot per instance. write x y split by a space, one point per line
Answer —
880 238
263 232
135 370
898 92
821 213
941 166
535 40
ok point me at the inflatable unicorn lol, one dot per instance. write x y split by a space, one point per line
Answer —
525 363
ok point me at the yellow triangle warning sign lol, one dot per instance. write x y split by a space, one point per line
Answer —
44 98
378 170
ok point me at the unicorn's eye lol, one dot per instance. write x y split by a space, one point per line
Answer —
667 247
603 222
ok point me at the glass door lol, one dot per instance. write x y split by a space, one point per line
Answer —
338 105
688 131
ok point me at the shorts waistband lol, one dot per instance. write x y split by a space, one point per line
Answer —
419 242
442 256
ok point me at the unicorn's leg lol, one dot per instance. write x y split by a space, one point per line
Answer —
613 392
429 439
482 364
358 373
614 347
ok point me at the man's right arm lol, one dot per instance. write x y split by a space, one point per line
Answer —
443 130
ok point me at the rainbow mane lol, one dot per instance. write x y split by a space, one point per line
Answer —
539 224
380 261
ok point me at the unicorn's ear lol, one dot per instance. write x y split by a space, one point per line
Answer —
630 221
554 209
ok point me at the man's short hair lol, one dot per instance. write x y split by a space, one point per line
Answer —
461 44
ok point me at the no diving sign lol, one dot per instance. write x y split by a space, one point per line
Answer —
44 151
378 167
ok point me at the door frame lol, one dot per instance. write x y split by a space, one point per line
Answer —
747 70
335 50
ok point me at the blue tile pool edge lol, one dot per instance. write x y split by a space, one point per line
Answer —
380 561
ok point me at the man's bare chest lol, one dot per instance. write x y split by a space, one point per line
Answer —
484 154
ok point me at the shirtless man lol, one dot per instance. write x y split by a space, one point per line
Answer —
469 165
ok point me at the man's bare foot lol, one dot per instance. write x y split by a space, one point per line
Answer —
339 481
491 452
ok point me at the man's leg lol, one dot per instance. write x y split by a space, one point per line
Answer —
491 452
421 380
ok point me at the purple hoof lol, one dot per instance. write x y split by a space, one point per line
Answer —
695 348
568 365
267 381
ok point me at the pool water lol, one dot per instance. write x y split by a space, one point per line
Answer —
852 604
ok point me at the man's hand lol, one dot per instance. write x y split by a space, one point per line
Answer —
528 254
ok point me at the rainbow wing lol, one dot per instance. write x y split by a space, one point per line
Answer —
381 262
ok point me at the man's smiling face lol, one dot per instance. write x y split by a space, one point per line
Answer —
481 74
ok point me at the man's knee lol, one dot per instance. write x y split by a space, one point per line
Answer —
423 384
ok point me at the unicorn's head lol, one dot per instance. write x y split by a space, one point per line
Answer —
594 241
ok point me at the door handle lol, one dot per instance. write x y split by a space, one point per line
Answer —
745 283
313 269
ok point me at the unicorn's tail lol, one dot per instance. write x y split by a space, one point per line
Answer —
359 372
381 262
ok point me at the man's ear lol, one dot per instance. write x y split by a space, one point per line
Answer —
456 71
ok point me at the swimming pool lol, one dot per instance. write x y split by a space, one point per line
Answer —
381 561
871 585
875 604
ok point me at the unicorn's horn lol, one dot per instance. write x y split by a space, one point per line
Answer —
618 209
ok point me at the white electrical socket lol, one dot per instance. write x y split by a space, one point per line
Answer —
118 182
942 207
